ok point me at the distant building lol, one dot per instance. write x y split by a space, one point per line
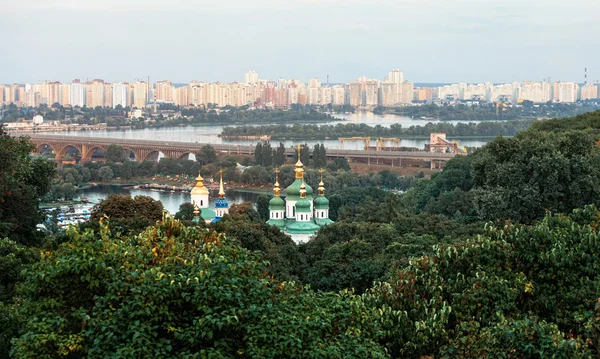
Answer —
251 77
299 215
589 92
38 120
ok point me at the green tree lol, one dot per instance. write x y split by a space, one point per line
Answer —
206 155
162 294
258 154
115 153
528 291
279 156
23 180
186 212
262 206
267 154
126 214
106 173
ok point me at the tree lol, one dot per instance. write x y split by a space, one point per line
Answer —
258 154
305 154
13 259
339 164
150 295
23 180
206 155
322 156
106 173
262 206
316 156
523 291
115 153
126 214
267 154
186 212
280 156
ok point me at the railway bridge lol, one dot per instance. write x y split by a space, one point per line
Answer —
144 150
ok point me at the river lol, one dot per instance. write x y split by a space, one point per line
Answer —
210 133
170 201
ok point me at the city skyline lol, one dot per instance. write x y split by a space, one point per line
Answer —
393 90
436 41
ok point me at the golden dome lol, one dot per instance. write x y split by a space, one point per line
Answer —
199 188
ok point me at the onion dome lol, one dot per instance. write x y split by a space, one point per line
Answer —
196 213
321 202
221 201
199 188
276 203
303 205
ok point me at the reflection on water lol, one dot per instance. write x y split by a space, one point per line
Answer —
170 201
210 134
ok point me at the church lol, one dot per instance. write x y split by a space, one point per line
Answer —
299 215
200 200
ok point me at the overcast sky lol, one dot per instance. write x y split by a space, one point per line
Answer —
183 40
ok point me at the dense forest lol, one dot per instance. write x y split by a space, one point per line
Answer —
497 256
322 132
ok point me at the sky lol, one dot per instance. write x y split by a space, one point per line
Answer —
183 40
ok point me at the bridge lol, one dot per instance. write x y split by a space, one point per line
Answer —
144 150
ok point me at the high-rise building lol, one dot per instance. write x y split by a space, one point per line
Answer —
339 95
423 94
407 92
388 94
589 92
251 77
54 92
78 93
164 92
65 94
449 92
95 93
567 92
371 93
325 96
140 94
395 76
356 93
120 94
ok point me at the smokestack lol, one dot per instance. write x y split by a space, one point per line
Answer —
585 77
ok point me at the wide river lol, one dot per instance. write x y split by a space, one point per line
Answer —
170 201
210 133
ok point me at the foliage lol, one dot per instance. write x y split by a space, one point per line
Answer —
177 291
531 290
262 206
106 173
115 153
13 259
206 155
245 225
322 132
520 178
126 214
186 212
23 180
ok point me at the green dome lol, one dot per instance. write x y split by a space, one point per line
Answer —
276 203
321 202
303 205
294 189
